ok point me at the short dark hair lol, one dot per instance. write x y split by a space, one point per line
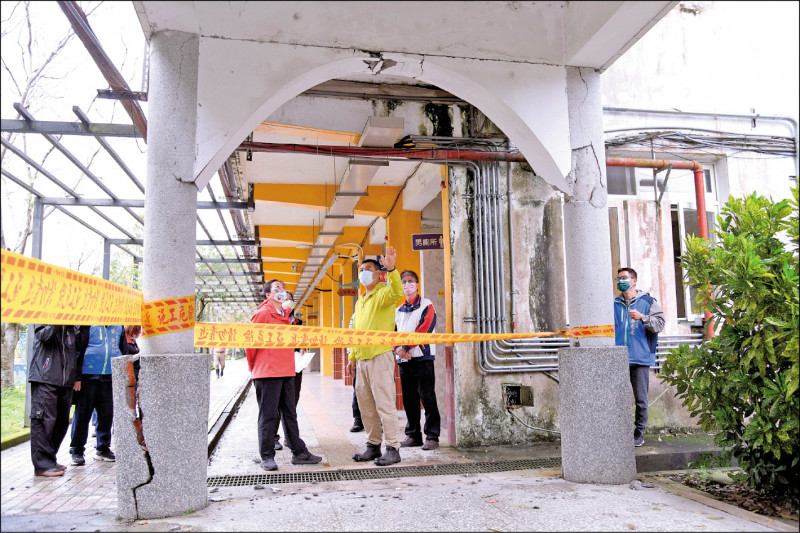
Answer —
631 271
409 273
268 286
374 262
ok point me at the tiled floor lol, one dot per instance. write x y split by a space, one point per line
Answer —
324 417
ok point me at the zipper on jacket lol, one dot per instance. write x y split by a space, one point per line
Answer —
63 358
104 335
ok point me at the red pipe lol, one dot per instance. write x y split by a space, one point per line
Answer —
364 151
699 192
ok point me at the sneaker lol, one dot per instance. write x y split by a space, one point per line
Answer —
78 460
278 445
638 441
430 444
357 426
305 458
410 442
53 472
105 455
389 457
60 467
373 451
269 464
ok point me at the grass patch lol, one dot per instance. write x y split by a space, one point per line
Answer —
12 411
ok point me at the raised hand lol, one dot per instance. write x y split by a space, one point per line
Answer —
390 257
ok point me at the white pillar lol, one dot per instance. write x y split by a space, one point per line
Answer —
595 413
173 382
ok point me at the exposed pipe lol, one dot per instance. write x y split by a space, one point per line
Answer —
753 118
364 151
699 192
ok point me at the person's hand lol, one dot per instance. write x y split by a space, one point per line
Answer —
77 386
402 353
350 368
634 314
389 258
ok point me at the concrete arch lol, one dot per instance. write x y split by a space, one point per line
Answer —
527 101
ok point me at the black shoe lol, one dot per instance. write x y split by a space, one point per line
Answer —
78 460
278 445
305 458
105 455
373 451
269 464
410 442
638 441
389 457
357 426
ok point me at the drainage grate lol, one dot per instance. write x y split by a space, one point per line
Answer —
383 473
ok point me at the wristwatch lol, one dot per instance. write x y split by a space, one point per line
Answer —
645 319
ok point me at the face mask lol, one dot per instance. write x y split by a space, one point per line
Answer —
623 285
281 296
409 288
288 304
365 277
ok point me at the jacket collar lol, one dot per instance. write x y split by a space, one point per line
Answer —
408 307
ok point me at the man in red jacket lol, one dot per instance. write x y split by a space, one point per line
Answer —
273 378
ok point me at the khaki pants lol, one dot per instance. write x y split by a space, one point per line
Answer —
376 394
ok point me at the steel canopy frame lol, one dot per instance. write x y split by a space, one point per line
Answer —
222 291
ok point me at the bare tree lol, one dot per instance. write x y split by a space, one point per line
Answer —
28 79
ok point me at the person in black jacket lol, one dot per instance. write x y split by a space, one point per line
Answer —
54 373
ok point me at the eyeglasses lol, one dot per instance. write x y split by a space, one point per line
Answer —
406 282
624 279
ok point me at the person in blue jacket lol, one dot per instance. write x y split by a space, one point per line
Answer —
105 343
638 319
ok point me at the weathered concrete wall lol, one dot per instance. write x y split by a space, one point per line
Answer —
538 271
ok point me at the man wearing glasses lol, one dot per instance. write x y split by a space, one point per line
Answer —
638 319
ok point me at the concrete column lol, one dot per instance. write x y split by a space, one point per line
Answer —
173 381
595 416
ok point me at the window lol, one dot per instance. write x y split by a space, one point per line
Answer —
684 223
621 181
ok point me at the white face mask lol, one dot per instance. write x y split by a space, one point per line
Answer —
288 304
365 277
280 296
409 288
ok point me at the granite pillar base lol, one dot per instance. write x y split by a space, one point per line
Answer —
595 415
170 479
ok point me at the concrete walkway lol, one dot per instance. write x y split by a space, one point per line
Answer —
84 499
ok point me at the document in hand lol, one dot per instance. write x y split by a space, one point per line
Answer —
301 361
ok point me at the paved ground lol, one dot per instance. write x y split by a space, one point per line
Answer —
524 500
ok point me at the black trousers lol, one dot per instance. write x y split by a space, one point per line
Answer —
418 382
50 406
640 381
356 410
95 394
298 383
275 397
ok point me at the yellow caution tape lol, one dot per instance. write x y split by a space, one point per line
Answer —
35 292
237 335
167 316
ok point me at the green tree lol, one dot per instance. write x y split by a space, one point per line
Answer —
743 383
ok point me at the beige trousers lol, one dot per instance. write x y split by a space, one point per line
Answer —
376 394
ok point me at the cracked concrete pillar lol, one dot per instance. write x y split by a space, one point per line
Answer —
173 381
595 414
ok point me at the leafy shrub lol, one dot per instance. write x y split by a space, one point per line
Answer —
743 383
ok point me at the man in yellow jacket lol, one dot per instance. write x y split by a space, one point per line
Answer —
375 387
